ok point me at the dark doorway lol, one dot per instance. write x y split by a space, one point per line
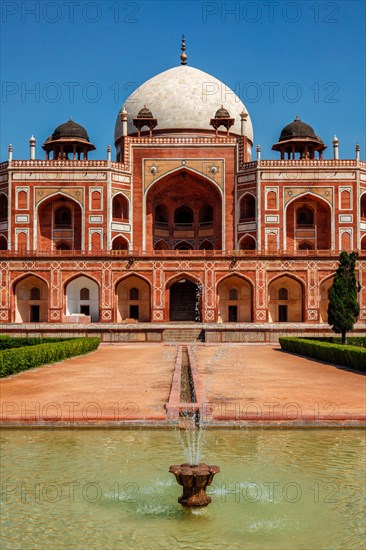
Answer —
184 301
34 314
233 314
282 314
85 310
134 312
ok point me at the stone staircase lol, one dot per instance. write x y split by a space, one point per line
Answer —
184 334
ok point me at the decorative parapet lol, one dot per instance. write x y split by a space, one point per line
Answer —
328 163
165 254
204 140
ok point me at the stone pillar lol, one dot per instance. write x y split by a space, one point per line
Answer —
258 153
32 147
335 148
357 152
10 153
124 116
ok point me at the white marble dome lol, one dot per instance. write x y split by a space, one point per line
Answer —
184 97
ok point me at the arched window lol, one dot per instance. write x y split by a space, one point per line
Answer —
271 200
305 246
119 243
63 217
247 243
22 200
161 245
161 214
84 294
345 200
63 246
96 200
247 208
206 245
363 206
3 206
120 207
305 216
3 243
233 294
183 215
206 214
134 294
183 245
283 294
35 293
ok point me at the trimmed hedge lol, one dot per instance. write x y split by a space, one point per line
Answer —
359 341
349 356
7 342
19 359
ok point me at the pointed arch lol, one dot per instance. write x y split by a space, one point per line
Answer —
316 225
183 245
74 304
47 233
30 306
290 309
3 243
247 242
235 299
120 243
185 169
324 287
133 298
247 207
120 207
3 206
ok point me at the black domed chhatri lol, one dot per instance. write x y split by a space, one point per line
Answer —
222 113
299 138
145 118
144 113
298 128
70 130
222 118
69 141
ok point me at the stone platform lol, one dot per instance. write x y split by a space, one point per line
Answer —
176 331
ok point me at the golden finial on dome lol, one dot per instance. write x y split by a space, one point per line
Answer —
183 57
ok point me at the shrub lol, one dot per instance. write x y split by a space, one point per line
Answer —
349 356
359 341
7 342
22 358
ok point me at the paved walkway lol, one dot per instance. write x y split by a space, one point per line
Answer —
115 383
129 383
265 383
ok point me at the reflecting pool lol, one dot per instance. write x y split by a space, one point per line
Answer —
111 489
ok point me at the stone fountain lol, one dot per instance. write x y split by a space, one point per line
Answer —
194 480
188 403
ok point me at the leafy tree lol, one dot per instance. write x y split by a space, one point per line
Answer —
343 307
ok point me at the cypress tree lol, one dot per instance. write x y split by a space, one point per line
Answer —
343 307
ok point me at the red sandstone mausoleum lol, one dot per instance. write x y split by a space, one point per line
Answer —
184 224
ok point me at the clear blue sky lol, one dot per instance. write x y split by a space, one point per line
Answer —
83 58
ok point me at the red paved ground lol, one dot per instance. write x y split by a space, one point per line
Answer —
131 382
115 383
263 383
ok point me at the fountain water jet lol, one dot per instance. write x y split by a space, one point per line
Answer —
193 476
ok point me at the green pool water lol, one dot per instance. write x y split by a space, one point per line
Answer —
110 489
